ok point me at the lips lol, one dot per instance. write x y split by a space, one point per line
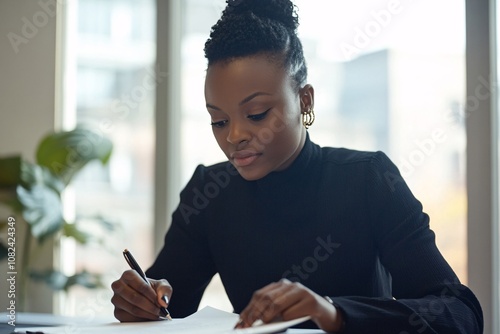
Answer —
244 158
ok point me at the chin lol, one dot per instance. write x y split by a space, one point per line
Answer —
251 175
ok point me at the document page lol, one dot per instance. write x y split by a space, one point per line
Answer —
206 321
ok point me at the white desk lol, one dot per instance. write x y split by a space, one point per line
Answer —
24 319
79 325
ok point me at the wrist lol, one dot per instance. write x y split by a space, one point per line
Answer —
339 322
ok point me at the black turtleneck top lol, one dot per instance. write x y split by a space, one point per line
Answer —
341 222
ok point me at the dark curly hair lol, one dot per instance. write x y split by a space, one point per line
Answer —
251 27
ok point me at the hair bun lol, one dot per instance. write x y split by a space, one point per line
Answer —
282 11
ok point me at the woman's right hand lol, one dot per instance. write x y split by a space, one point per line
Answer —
135 300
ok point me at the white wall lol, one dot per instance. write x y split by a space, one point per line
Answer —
27 101
28 76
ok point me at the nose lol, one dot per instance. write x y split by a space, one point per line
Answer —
238 133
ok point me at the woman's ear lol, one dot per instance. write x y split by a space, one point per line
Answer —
306 95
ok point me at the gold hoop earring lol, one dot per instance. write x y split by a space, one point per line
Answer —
308 117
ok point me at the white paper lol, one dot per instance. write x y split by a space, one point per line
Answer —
206 321
273 327
45 319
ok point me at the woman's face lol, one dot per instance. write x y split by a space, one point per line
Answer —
256 114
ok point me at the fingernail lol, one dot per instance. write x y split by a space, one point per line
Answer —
239 324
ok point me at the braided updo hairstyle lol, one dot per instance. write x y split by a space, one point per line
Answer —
255 27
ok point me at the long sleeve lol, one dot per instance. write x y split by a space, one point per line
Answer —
428 297
341 222
185 259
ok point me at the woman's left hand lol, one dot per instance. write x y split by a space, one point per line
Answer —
285 300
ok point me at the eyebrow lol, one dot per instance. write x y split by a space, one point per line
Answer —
242 102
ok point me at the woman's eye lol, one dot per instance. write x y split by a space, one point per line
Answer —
260 116
219 124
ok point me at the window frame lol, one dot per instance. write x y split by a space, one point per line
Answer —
167 118
482 159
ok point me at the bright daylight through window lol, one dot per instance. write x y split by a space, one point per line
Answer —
383 78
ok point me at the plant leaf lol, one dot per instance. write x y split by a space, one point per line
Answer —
55 279
59 281
65 153
10 171
72 230
32 174
42 210
86 279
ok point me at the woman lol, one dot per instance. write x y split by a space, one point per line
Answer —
294 229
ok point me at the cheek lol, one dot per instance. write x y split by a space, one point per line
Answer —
220 138
284 124
279 122
271 134
291 117
276 138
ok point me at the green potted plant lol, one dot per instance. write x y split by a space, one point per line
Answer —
32 193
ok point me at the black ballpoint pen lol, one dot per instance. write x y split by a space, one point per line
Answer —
134 265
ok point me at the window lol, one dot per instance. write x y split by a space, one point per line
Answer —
111 74
383 81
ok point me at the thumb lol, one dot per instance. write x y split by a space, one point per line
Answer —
163 301
163 291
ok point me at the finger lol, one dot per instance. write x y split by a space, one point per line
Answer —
124 311
257 305
133 299
132 279
296 310
282 299
323 313
266 304
124 316
163 291
252 311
